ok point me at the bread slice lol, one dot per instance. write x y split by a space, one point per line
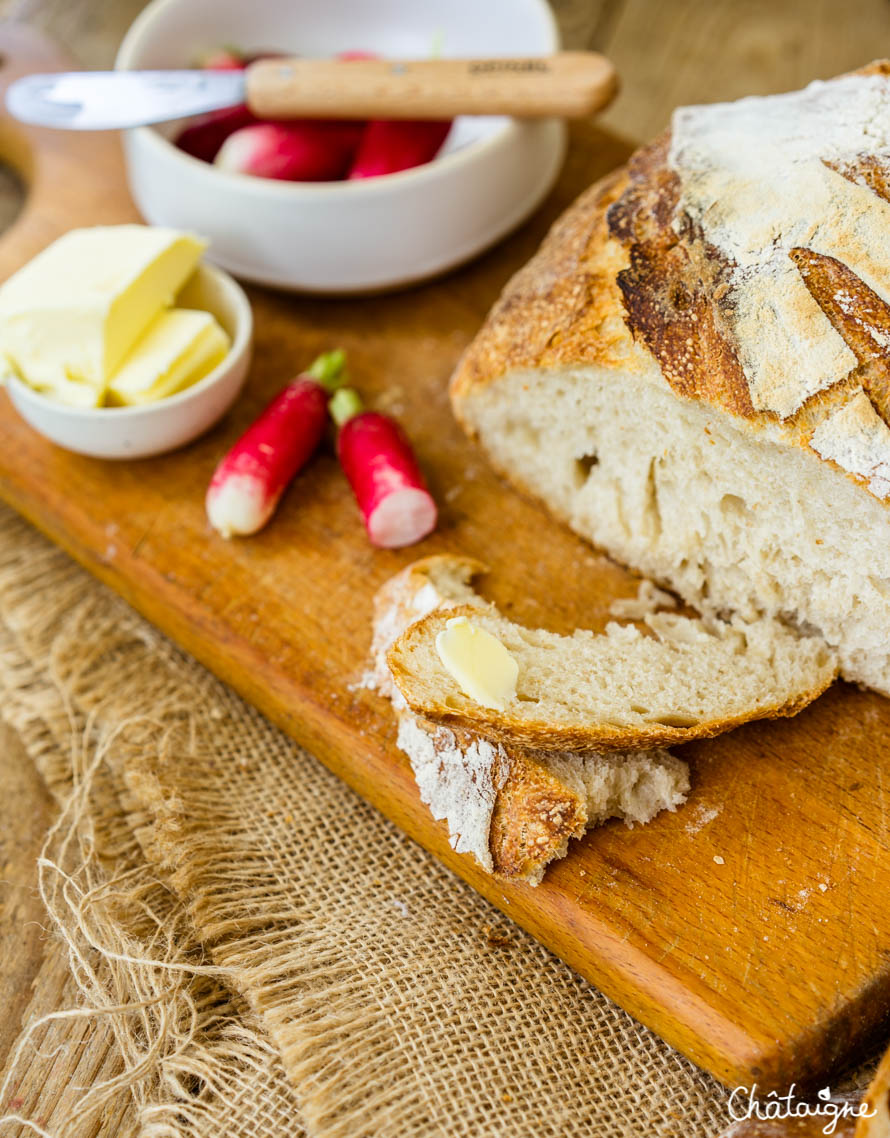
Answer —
694 371
680 678
514 809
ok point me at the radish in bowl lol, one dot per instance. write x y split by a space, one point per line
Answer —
352 235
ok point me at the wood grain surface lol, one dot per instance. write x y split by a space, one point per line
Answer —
26 815
750 928
64 1057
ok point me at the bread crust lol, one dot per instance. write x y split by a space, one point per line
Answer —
614 285
874 1121
534 814
561 308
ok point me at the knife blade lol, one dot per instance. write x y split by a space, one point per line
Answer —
115 100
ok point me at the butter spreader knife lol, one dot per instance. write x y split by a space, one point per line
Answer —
566 84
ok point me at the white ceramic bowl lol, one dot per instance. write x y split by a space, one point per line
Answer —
137 432
351 237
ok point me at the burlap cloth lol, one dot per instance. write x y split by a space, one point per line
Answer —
252 949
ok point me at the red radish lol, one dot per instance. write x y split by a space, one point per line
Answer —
203 137
299 151
253 56
377 459
223 59
233 59
390 145
250 479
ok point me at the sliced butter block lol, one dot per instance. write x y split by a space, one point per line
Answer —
76 309
66 391
178 348
74 394
479 662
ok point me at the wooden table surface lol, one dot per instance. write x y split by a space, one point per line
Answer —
668 52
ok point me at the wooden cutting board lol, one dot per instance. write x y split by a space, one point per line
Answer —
750 929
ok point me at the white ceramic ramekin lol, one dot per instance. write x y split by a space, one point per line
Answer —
153 428
348 237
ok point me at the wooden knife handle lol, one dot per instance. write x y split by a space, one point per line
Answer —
570 84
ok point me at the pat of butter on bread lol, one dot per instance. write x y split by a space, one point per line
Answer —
478 662
74 312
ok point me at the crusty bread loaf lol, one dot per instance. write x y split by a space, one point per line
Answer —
514 809
874 1122
683 678
694 371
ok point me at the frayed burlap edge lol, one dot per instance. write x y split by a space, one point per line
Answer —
401 1004
185 1058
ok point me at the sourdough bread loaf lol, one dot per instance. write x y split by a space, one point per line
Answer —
694 371
513 808
678 678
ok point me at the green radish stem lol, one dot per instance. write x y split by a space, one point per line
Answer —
345 405
329 369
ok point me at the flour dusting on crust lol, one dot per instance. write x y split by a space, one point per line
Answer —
766 175
458 782
857 439
458 778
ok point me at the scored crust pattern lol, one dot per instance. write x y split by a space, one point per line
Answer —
638 268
